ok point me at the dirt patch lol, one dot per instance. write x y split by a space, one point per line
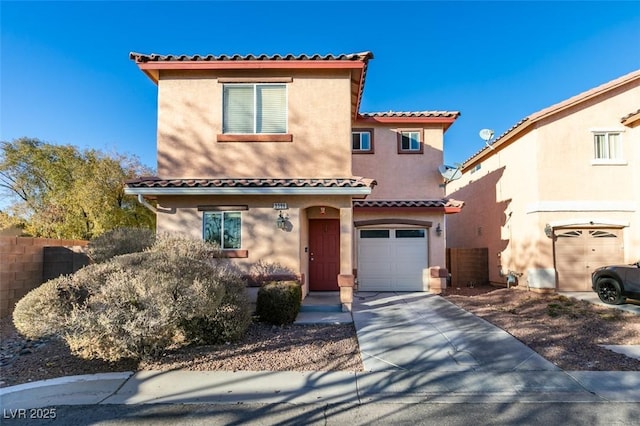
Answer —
566 331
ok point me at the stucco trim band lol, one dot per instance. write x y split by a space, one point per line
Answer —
581 206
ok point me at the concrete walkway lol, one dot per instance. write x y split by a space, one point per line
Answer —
416 347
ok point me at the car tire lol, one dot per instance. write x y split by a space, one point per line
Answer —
609 291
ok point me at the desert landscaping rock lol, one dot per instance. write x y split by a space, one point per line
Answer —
565 331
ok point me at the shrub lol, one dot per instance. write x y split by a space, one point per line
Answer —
120 241
279 302
228 322
177 245
138 304
263 272
40 312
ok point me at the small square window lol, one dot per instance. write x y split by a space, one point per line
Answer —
409 142
607 146
362 140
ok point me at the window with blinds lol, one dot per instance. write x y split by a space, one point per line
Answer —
606 146
254 109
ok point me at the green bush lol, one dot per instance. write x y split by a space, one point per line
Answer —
136 305
120 241
279 302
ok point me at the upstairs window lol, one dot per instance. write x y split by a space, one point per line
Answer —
409 142
362 141
607 147
254 109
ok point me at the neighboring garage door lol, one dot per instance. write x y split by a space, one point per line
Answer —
578 252
391 259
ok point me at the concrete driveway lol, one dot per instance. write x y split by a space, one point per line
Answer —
425 332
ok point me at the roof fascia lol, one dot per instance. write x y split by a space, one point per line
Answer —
446 121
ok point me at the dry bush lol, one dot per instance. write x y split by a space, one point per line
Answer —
136 305
120 241
177 245
263 272
40 313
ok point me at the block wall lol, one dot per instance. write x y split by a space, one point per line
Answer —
468 266
22 266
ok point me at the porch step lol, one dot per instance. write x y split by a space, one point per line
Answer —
321 302
320 308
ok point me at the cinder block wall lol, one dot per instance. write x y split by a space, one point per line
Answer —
468 265
21 266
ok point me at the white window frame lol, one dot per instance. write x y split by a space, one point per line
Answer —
408 132
255 86
222 215
369 133
607 156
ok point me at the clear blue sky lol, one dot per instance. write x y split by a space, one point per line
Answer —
66 76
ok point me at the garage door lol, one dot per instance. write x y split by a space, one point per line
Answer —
578 252
392 259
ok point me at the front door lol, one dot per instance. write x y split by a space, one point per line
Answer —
324 254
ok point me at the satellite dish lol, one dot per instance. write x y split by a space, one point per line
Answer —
486 134
449 173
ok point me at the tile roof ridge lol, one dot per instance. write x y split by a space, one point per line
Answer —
156 57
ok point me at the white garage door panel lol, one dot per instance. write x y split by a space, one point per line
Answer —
394 263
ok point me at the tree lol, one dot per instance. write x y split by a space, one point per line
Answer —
60 191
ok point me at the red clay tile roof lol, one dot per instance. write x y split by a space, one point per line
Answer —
154 57
445 202
445 114
155 60
154 182
630 118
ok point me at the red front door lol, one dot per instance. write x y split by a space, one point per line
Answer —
324 254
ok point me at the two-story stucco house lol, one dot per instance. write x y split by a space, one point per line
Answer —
558 194
269 157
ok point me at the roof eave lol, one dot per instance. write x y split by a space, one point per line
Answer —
445 121
358 191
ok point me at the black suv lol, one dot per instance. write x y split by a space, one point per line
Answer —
615 283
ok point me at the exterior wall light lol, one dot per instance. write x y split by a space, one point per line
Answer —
281 221
438 230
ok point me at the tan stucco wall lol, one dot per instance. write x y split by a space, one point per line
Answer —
507 201
401 176
190 118
259 233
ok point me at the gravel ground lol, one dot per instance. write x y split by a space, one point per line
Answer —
567 332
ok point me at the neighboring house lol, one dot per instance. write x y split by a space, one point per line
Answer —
270 157
558 194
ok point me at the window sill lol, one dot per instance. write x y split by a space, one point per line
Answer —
405 151
236 254
285 137
363 151
608 163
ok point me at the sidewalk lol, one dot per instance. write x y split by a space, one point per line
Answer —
415 347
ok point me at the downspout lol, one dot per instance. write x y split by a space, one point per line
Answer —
145 203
